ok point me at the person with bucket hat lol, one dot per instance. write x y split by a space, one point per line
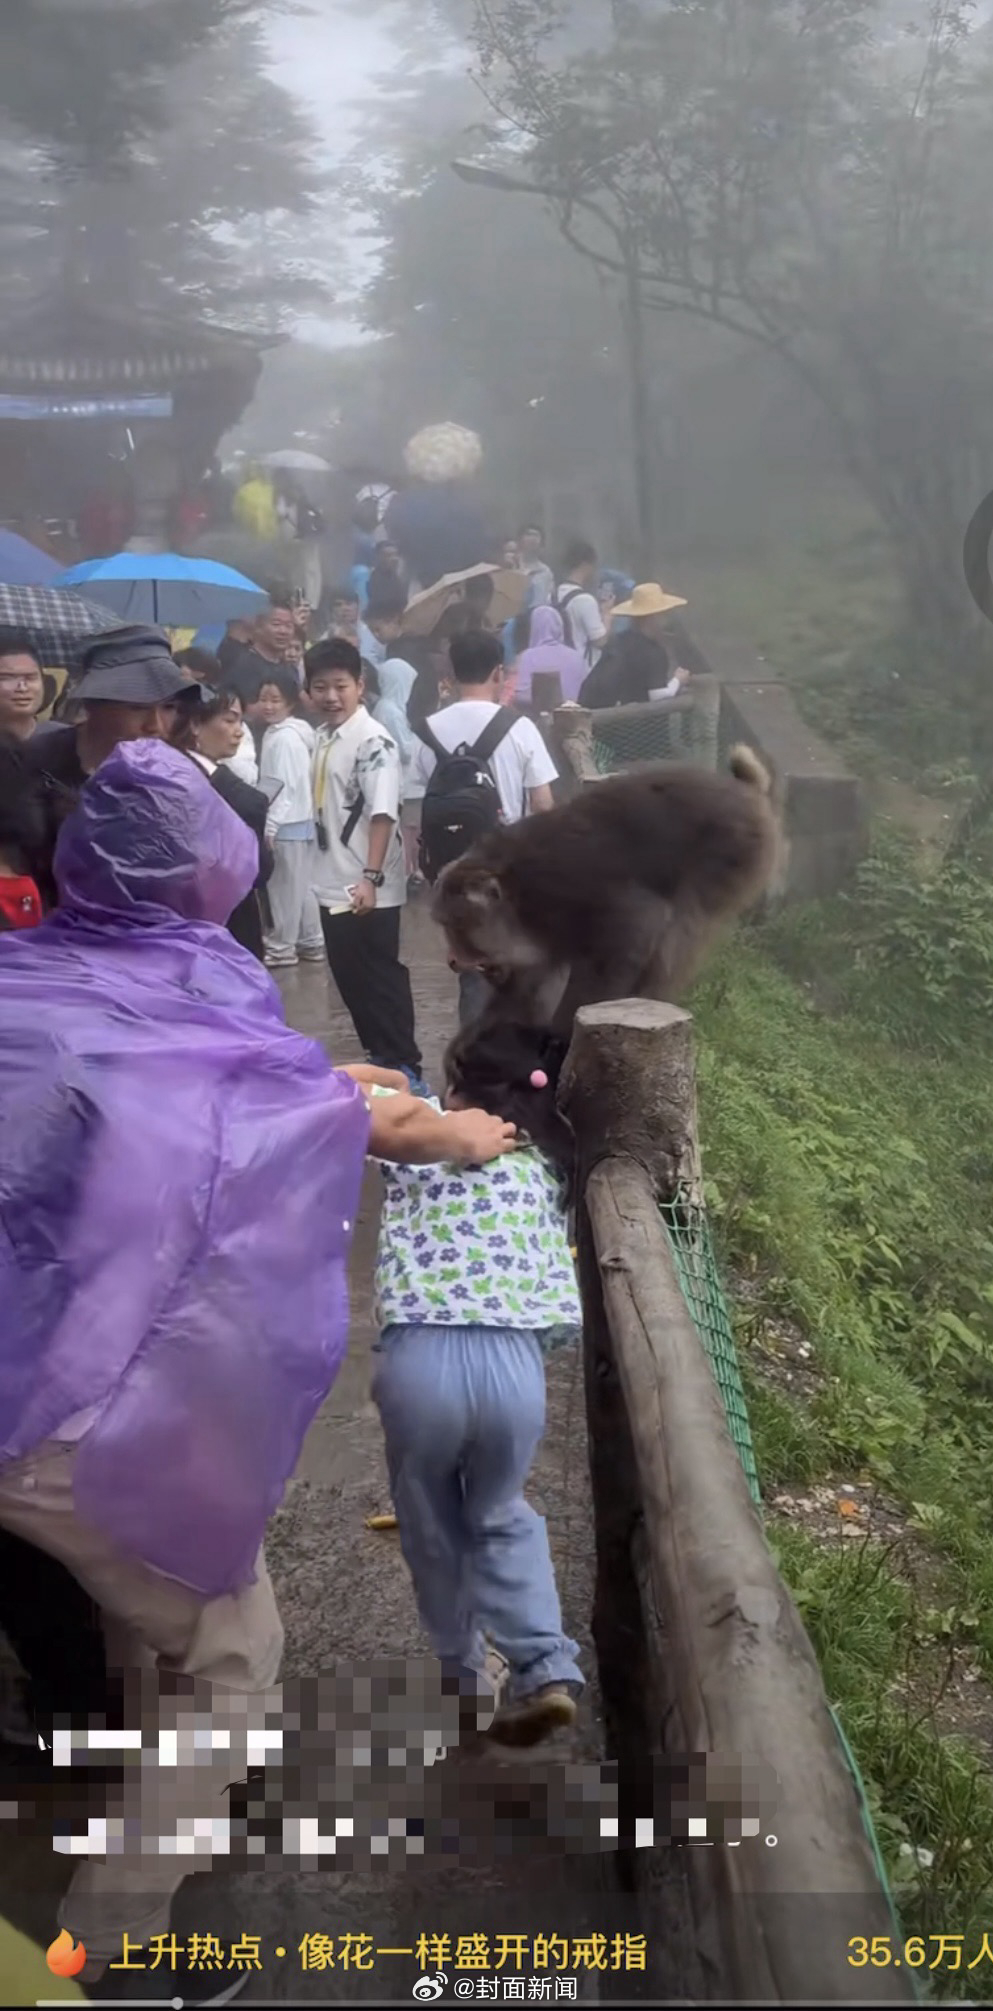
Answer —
636 666
129 690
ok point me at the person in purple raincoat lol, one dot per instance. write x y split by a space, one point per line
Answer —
179 1177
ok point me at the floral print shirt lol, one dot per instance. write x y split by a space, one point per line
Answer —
356 765
479 1246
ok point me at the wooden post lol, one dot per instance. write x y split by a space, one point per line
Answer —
618 1625
669 1484
704 725
574 736
629 1089
596 1102
546 691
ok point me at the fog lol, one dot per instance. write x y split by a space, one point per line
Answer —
752 304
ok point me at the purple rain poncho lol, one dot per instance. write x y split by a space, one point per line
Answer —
179 1177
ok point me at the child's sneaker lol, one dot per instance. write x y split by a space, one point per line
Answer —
526 1721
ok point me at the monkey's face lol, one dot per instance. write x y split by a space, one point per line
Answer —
481 924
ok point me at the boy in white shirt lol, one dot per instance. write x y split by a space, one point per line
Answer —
360 878
577 603
521 766
285 773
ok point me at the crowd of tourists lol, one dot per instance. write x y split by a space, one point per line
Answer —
180 1170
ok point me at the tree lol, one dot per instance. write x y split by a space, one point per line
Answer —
147 148
801 174
487 316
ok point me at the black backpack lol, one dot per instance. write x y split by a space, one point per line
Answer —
461 801
563 602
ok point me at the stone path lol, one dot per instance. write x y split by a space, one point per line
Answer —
507 1821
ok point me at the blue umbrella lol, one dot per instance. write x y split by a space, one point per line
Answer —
170 591
23 565
209 637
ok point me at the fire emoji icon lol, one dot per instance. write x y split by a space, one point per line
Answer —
66 1957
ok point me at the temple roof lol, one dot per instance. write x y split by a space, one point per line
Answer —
72 338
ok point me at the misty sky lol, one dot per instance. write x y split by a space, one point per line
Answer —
332 60
330 64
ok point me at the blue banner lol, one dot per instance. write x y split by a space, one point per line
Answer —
86 408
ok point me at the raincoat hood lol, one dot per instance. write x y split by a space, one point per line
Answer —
298 729
396 680
549 651
151 839
179 1177
546 626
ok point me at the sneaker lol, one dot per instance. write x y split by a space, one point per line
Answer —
314 956
281 960
163 1985
496 1669
528 1720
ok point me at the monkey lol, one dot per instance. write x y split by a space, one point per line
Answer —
616 894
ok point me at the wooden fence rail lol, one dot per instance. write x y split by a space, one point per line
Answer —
700 1648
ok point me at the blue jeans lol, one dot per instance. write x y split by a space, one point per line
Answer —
463 1411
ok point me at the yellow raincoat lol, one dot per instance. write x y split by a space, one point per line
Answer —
254 507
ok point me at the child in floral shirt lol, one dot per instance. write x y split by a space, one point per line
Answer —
475 1281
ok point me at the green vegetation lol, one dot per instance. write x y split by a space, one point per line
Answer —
847 1112
931 1797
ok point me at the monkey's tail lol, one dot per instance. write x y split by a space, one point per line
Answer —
746 767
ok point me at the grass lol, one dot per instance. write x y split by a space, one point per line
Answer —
846 1095
850 1185
931 1797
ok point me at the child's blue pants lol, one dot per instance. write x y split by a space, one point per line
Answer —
463 1411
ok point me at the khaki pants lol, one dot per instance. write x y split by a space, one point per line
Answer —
234 1645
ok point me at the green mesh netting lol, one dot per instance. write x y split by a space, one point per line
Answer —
663 733
692 1247
690 1241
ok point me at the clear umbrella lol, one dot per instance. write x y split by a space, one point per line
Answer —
294 459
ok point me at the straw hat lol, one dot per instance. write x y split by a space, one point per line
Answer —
650 599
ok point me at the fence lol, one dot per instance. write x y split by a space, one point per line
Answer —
681 729
700 1648
821 806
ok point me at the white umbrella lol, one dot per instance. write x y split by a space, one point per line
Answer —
296 459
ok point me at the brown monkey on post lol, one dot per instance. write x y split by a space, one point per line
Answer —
617 894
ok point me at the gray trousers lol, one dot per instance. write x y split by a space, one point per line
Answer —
296 917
